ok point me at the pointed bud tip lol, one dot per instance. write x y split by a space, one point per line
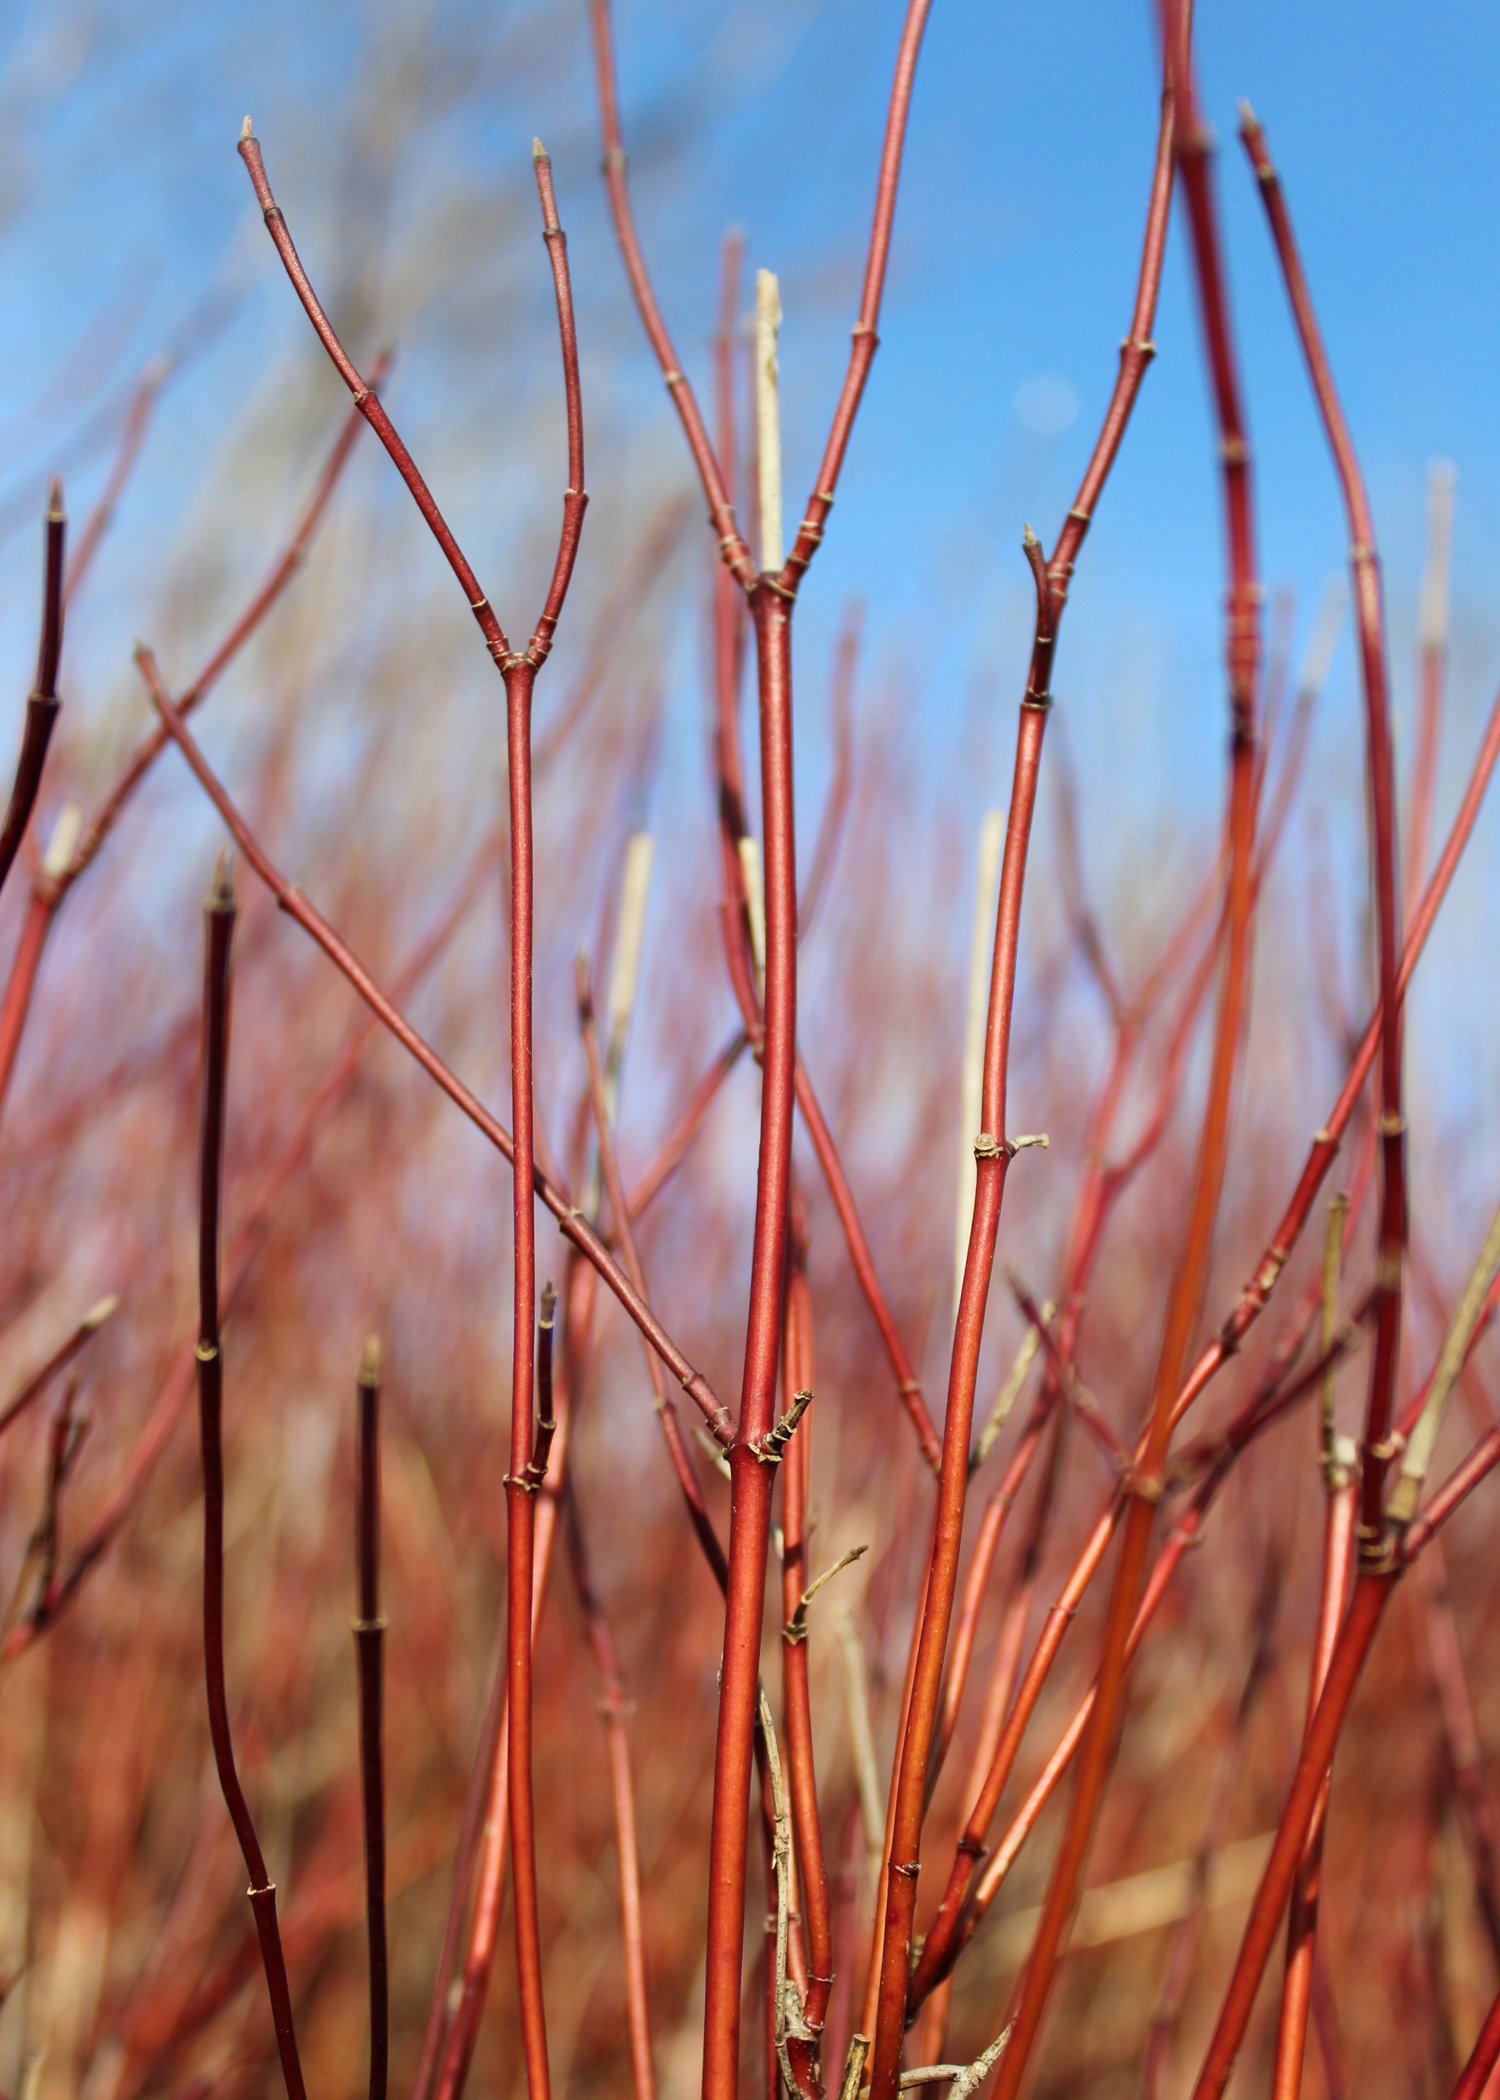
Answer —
247 131
222 896
539 151
1247 116
55 499
549 1302
370 1361
97 1314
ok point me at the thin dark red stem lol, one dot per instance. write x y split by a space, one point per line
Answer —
43 704
243 1249
369 1636
220 916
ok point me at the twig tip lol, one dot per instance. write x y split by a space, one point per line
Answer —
104 1309
539 151
55 499
247 131
221 897
370 1361
1248 119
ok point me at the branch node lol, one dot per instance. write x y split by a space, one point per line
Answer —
770 1447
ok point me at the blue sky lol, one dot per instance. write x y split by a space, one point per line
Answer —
121 201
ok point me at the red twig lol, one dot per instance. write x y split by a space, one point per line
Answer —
42 707
293 555
753 1479
1256 1294
720 507
1365 573
220 916
796 1473
615 1704
448 2051
992 1158
666 1413
369 1636
1372 1593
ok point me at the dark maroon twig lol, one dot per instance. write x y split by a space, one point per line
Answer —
369 1636
546 1421
42 706
220 916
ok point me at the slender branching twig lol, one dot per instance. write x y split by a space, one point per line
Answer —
572 1224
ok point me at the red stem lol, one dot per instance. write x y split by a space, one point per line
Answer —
1302 1924
615 1705
917 1732
1365 573
369 1635
796 1473
752 1480
1097 1754
220 916
1371 1595
519 1490
42 706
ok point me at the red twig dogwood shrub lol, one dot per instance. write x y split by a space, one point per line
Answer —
782 1661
